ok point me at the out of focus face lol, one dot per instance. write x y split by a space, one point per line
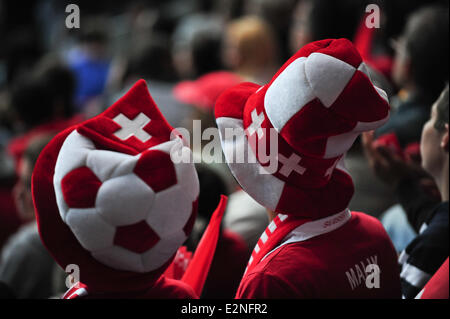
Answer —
400 69
22 192
300 34
230 54
431 150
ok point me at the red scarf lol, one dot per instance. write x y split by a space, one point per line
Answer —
286 229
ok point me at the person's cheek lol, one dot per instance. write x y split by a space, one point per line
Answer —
424 145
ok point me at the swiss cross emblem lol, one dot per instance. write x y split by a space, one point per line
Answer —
290 164
255 126
132 127
330 170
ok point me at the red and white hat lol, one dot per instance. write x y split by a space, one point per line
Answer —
110 198
320 100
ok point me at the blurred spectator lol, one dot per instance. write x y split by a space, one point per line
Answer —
151 60
278 14
250 49
229 9
206 52
195 42
420 70
324 19
425 254
61 82
25 265
396 14
90 63
199 97
371 195
22 51
429 217
40 104
31 104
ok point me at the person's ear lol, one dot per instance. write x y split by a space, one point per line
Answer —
445 138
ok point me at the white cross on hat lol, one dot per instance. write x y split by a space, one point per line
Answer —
132 127
330 169
290 164
257 120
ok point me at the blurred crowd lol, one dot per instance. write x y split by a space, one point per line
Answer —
189 51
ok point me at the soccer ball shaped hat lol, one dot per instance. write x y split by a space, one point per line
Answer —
316 105
110 198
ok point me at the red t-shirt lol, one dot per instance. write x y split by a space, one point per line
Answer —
331 265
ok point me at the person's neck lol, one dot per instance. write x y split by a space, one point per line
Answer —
271 215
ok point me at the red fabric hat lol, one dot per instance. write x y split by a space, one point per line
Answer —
204 91
318 103
110 199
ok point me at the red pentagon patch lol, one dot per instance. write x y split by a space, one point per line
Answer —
156 169
80 187
138 237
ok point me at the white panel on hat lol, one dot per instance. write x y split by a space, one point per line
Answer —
124 200
187 177
60 201
367 126
327 76
72 155
363 68
162 251
170 211
106 164
341 165
339 144
167 147
90 229
288 94
266 189
120 258
382 93
183 162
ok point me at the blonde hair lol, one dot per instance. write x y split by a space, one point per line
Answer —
253 39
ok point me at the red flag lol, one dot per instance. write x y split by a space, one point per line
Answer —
363 41
179 264
197 271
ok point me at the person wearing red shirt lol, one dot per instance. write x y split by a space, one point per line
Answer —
306 118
